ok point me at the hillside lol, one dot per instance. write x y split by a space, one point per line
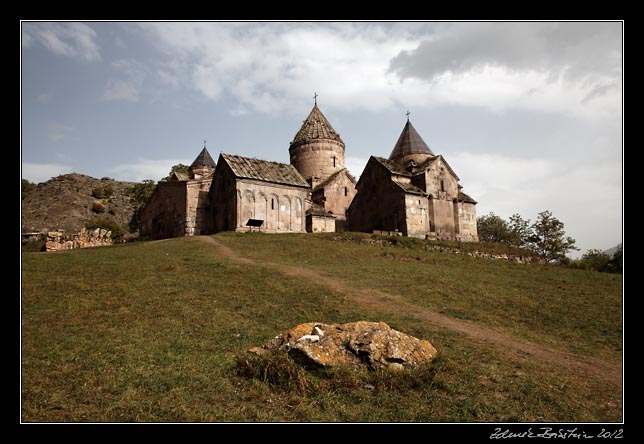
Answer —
66 202
158 331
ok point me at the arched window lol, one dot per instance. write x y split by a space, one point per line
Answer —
346 191
333 161
272 204
442 185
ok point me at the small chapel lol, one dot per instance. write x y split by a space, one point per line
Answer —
413 192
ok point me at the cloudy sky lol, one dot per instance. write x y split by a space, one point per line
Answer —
528 114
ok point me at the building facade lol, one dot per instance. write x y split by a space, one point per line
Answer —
414 192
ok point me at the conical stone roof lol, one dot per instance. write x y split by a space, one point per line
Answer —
409 142
316 127
203 159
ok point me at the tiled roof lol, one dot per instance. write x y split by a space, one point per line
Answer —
316 127
392 166
179 176
318 210
251 168
465 198
409 188
409 142
203 159
333 176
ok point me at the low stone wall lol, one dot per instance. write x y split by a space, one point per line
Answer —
99 237
501 256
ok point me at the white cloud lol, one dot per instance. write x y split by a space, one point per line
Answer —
59 133
143 169
72 39
41 172
572 68
128 87
586 197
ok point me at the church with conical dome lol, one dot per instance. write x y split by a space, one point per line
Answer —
414 192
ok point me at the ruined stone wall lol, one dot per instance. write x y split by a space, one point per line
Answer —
319 158
281 207
57 241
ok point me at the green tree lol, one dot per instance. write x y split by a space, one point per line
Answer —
520 231
178 168
27 187
595 260
491 228
140 194
615 265
549 239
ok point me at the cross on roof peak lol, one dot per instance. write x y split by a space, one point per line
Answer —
315 98
407 114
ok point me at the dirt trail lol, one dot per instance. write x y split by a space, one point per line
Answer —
598 369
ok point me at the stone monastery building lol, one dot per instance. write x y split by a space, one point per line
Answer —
414 192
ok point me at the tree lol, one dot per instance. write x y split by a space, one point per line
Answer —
27 187
178 168
548 237
595 260
520 230
615 265
140 194
492 228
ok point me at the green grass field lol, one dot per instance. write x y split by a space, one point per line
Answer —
158 332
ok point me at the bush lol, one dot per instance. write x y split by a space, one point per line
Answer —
107 223
112 211
98 208
97 193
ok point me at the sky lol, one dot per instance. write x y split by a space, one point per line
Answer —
528 114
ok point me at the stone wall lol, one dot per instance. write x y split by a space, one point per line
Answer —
318 158
335 196
197 207
164 215
281 207
320 224
57 241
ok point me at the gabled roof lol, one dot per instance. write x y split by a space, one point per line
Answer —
465 198
316 127
392 166
203 159
179 176
318 210
409 142
330 179
409 188
264 170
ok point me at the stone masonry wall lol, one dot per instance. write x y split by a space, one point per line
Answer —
319 158
99 237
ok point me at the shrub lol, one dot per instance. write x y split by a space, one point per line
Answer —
98 208
107 223
112 211
97 193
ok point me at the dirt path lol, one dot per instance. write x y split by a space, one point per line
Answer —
598 369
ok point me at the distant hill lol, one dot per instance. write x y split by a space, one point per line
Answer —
612 251
67 202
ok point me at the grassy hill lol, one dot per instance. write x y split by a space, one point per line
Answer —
69 201
158 331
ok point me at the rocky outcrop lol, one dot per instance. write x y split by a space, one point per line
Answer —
360 345
84 238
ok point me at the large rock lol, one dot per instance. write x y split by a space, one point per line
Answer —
372 345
